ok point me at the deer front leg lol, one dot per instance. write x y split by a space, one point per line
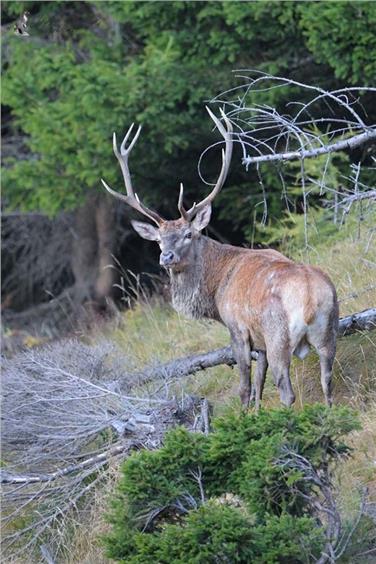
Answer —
241 348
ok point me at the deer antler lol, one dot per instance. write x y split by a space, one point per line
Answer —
226 159
131 198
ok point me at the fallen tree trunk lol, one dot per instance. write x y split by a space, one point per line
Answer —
180 367
362 321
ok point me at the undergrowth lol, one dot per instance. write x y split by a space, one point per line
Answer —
152 332
234 495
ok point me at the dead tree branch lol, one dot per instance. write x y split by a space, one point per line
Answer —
345 144
181 367
294 134
347 202
362 321
8 478
64 422
311 124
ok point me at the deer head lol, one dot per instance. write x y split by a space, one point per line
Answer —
177 238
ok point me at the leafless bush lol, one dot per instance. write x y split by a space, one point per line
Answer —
267 135
320 123
38 296
36 253
50 268
69 409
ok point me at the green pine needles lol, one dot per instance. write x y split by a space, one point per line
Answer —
248 492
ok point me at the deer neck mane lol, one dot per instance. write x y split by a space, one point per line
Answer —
192 293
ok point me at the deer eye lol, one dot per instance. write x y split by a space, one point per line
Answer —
188 235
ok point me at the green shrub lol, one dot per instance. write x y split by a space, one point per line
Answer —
224 497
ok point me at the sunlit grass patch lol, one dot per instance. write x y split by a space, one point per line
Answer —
350 261
150 333
360 470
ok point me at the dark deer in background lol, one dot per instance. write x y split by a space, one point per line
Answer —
269 303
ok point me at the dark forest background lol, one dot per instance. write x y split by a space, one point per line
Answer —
87 69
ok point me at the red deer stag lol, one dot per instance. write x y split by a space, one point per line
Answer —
269 303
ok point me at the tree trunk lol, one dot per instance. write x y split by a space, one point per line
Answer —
57 271
93 247
105 276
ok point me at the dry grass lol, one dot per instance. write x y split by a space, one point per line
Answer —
350 261
84 546
155 332
360 470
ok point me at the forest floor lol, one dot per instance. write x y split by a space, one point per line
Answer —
152 332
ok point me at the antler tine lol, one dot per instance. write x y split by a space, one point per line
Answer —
126 136
122 156
180 200
181 208
134 203
133 142
218 123
226 160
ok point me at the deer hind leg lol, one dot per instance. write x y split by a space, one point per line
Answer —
241 348
324 341
281 373
278 350
279 358
327 354
259 381
326 367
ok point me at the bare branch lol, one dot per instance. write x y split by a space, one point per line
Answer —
348 201
64 421
345 144
343 543
319 122
362 321
197 476
8 478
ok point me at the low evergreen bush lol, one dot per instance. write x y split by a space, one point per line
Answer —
229 496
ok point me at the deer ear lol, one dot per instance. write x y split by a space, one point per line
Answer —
146 231
202 218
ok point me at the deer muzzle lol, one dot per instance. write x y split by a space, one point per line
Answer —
167 258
